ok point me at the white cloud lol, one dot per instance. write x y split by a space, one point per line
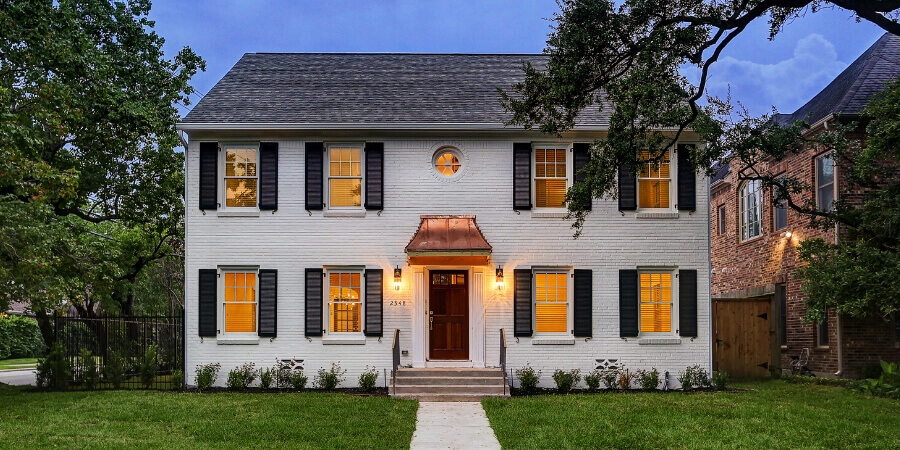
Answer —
787 84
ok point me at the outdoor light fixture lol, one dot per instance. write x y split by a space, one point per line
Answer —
499 278
398 277
786 234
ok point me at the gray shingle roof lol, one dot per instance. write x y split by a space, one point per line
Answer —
367 88
852 89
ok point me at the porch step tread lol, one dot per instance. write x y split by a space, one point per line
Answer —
449 397
448 372
425 381
449 389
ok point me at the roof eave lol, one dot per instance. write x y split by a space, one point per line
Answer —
193 126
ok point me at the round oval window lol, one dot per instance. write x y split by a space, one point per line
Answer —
447 162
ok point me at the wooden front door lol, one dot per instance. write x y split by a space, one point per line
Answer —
448 315
742 343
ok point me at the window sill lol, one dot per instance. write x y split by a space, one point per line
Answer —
657 215
549 215
333 213
254 213
350 340
238 341
659 341
552 341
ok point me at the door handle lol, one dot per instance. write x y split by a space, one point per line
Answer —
430 320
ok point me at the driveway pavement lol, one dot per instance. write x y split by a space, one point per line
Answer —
18 377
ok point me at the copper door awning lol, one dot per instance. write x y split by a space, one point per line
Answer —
448 240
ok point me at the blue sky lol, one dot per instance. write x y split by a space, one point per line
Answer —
784 73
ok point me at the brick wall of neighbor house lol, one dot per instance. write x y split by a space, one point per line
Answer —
771 259
291 239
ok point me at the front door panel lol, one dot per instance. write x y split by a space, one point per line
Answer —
448 299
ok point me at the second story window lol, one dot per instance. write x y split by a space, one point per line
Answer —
551 177
653 183
825 182
240 177
721 218
751 210
780 209
344 177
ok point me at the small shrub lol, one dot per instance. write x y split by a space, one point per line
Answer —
241 377
90 378
720 380
330 379
298 379
610 378
700 378
283 373
265 377
528 378
149 367
114 370
206 375
566 380
177 379
686 379
53 371
592 380
625 378
648 379
367 379
886 385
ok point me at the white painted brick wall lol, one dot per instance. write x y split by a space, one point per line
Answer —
291 240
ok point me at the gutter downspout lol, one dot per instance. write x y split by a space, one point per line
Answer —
184 302
709 309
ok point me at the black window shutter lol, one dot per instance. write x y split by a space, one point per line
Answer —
208 304
627 188
522 304
581 156
687 303
313 313
521 176
268 176
628 303
375 176
268 303
687 180
209 174
374 302
582 306
314 176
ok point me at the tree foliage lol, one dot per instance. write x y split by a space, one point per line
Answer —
628 60
90 184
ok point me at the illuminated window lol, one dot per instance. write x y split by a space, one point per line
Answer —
344 302
344 177
825 182
551 301
447 161
240 177
653 182
551 177
751 209
240 302
656 302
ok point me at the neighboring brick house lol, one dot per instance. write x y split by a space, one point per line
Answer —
754 243
346 187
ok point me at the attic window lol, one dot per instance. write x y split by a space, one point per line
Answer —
447 161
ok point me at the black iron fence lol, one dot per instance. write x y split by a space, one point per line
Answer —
112 352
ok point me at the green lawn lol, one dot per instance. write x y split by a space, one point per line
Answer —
20 363
151 419
776 415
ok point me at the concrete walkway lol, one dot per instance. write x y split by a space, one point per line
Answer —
455 425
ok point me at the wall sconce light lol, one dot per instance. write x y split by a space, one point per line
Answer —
786 234
398 278
499 275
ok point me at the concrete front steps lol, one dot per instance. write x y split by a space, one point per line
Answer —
449 385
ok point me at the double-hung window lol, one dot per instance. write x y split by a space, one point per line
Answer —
552 176
779 211
751 209
345 301
239 300
344 177
825 182
656 302
551 301
654 182
241 178
720 211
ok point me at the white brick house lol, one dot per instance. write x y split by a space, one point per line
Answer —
310 178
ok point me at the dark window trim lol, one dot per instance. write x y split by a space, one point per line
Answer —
822 332
721 219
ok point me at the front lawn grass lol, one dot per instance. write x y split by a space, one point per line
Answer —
775 415
152 419
18 363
